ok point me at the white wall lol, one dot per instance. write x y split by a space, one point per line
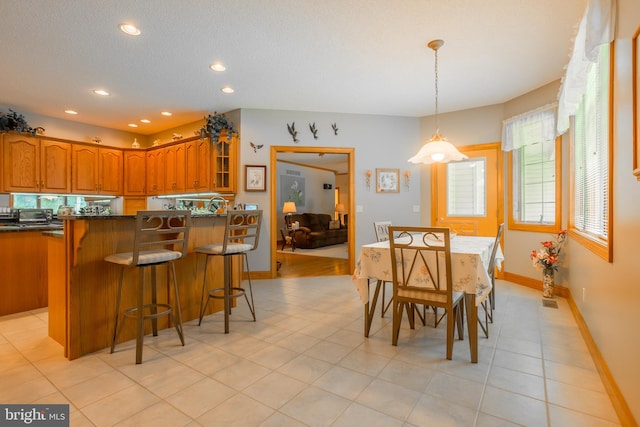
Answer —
610 308
379 142
81 132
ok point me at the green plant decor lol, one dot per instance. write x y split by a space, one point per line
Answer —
214 125
16 122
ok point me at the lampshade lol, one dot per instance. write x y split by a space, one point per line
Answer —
437 149
289 207
340 208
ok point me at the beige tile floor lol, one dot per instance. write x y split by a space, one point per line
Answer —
306 363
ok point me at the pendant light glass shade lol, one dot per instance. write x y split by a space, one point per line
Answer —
438 149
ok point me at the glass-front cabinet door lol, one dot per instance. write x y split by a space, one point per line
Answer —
224 155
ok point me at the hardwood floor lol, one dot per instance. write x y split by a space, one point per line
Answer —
294 265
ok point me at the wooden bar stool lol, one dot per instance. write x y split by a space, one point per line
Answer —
241 235
157 236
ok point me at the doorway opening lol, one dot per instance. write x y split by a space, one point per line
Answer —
319 158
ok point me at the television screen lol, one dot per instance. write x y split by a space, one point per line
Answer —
251 206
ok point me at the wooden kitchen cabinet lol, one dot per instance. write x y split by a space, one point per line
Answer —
135 172
174 176
31 164
224 163
155 171
24 271
198 170
96 170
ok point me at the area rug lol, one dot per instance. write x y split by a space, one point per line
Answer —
334 251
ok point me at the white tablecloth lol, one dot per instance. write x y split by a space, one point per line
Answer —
469 262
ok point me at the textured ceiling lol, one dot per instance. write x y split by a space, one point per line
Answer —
346 56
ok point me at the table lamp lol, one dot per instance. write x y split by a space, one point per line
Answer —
288 209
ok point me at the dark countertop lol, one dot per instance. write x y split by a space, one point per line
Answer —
116 216
39 227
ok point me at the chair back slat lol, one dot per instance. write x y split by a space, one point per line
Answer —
494 250
161 229
382 230
421 261
242 226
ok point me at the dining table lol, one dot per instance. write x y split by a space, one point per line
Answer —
470 257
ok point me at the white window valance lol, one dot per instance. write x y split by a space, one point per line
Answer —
596 27
529 128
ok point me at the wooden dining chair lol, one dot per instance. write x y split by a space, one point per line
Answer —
421 272
492 270
488 304
382 235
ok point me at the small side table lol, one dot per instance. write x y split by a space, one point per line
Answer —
288 236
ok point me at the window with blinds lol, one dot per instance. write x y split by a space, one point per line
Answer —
590 213
534 165
466 188
534 195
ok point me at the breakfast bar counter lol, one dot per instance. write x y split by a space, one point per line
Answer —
82 315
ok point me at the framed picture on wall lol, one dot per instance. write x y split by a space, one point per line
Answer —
387 180
255 178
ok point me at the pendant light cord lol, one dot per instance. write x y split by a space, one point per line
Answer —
436 70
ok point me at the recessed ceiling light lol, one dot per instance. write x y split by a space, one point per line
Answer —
227 89
130 29
145 120
101 92
71 112
133 125
166 113
217 66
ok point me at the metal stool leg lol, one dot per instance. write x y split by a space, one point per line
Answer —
140 318
227 292
177 318
116 331
203 304
252 307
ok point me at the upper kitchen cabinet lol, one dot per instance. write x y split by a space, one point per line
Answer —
31 164
198 171
224 163
96 170
174 169
155 171
134 172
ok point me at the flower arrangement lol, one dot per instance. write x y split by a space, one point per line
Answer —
547 257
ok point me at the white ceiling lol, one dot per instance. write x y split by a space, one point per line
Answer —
346 56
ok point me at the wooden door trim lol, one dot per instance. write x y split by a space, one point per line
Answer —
351 226
465 149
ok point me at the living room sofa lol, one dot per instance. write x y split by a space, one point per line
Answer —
315 232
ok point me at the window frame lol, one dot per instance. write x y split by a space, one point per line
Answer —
514 223
601 247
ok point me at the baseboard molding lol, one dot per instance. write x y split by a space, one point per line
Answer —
617 399
258 275
560 291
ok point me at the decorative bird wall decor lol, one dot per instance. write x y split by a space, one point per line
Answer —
314 131
334 126
292 131
255 147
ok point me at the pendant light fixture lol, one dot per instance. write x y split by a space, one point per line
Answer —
438 149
